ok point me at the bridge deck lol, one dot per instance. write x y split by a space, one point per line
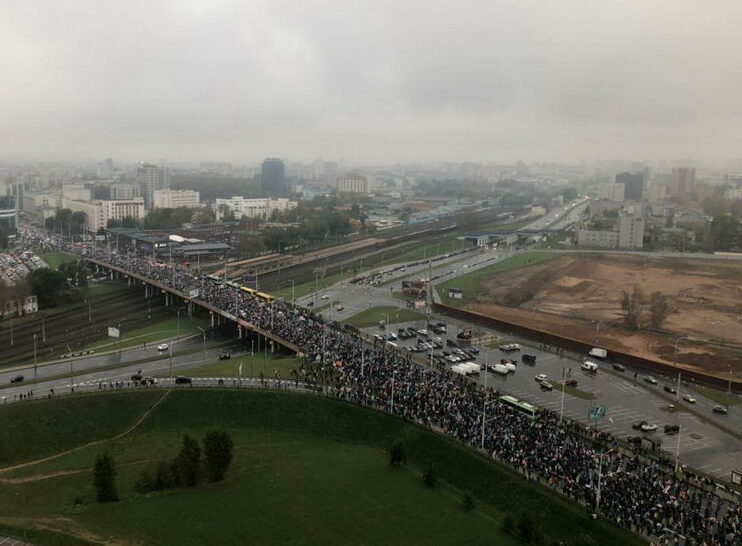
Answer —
202 303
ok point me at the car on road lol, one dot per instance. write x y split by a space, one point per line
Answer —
546 386
136 377
181 380
619 367
671 390
422 332
671 429
163 347
148 381
689 398
571 382
310 303
339 308
473 350
225 356
17 379
718 408
644 426
541 377
325 297
650 379
529 359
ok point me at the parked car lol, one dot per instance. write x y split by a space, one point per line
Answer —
339 308
571 382
163 347
541 377
619 367
225 356
310 303
529 359
136 377
17 379
148 381
720 409
644 426
671 429
689 398
180 380
473 350
650 379
325 296
671 390
546 386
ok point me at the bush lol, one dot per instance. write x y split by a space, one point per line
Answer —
145 482
188 462
527 529
397 455
104 478
430 475
508 525
218 446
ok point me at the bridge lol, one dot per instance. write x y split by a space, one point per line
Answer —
172 296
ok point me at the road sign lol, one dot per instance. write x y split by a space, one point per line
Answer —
113 332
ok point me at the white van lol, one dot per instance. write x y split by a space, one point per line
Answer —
589 366
472 368
502 370
597 352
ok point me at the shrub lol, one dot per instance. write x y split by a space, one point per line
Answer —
189 462
104 478
218 446
467 502
397 455
430 475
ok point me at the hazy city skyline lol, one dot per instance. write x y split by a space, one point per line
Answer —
371 81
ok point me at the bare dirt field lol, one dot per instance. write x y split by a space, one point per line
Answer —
580 296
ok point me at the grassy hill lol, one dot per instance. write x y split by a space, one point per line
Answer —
307 470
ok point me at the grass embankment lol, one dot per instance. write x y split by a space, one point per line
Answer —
473 284
161 330
55 259
372 316
251 366
718 396
306 470
574 391
419 252
306 288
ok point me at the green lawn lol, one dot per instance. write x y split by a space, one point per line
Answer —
251 365
306 288
372 316
471 283
55 259
430 250
152 333
306 470
574 391
718 396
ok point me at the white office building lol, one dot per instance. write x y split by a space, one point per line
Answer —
253 208
173 199
99 212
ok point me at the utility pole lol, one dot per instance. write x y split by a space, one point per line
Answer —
561 407
677 452
11 332
34 354
43 330
293 299
204 341
600 479
484 403
170 347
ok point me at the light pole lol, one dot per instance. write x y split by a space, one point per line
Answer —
600 479
177 335
484 403
561 406
729 386
204 341
393 374
34 354
677 450
171 360
11 332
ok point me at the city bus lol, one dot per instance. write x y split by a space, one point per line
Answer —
519 405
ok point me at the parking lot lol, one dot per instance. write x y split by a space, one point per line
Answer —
624 395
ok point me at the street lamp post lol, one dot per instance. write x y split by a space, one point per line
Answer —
600 478
204 341
34 354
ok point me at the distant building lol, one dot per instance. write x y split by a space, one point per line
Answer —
614 192
273 177
124 191
173 199
150 179
352 184
105 168
601 238
76 192
633 185
630 232
254 208
19 307
37 202
683 181
11 203
99 212
656 192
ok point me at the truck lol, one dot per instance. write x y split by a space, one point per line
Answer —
597 352
500 369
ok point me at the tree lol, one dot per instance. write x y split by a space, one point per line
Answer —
188 462
104 478
249 245
48 285
467 502
528 530
397 456
430 475
658 309
218 446
632 303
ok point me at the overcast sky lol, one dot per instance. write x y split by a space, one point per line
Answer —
372 80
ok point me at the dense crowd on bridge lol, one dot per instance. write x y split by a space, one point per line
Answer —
637 492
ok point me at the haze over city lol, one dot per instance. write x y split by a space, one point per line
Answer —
368 81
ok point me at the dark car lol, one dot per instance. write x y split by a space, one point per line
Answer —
473 350
451 343
180 380
720 409
310 303
636 440
136 377
619 367
225 356
528 359
571 382
671 390
17 379
638 426
671 429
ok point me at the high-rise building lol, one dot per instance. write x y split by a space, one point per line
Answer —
11 202
353 184
630 232
273 177
151 178
614 192
99 212
683 181
633 185
124 191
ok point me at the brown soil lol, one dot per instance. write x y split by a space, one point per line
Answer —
570 296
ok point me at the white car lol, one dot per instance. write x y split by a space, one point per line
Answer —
688 398
325 297
541 377
163 347
648 427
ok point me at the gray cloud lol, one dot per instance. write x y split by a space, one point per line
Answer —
370 80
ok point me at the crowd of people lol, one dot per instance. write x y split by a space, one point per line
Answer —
632 490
